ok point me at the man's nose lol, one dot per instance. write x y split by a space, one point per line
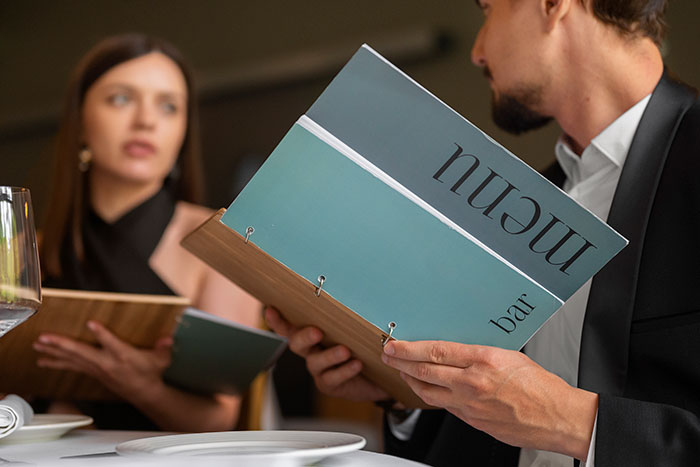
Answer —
477 55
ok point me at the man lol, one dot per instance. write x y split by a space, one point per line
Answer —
614 378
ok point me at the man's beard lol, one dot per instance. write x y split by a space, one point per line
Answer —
514 116
513 112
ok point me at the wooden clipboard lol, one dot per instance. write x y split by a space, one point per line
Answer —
296 298
136 318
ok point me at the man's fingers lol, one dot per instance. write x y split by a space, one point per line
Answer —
440 352
335 377
301 341
441 375
304 340
277 323
318 362
437 396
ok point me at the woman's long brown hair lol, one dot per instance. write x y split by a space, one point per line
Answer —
67 203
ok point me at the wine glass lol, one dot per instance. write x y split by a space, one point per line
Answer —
20 278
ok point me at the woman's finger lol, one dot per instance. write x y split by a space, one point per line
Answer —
56 351
70 349
108 340
162 350
78 365
57 364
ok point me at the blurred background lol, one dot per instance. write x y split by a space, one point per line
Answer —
259 65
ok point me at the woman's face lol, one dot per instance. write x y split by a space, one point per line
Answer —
134 119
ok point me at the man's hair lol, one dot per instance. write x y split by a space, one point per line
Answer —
633 17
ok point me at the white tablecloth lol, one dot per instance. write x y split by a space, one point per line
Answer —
96 447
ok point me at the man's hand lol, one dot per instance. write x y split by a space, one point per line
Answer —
501 392
124 369
334 371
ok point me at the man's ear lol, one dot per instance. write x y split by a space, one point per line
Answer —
554 11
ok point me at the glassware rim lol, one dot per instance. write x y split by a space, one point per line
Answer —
16 189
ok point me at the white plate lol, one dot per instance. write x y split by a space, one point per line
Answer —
301 446
46 427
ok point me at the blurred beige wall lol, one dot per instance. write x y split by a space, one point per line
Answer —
260 65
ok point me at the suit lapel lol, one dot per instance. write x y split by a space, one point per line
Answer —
605 339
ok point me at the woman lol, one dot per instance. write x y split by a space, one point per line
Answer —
126 177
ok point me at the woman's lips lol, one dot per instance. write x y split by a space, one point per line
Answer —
138 148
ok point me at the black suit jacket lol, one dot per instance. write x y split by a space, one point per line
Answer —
640 348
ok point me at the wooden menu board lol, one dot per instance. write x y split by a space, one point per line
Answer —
274 284
135 318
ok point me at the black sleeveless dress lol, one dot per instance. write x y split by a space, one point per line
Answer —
116 260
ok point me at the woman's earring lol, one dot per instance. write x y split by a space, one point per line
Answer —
84 159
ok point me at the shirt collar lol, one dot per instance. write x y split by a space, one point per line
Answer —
610 146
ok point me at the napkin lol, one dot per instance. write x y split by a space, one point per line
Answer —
14 412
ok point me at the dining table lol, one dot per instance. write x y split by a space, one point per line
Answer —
91 447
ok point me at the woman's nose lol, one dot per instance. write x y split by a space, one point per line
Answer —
145 116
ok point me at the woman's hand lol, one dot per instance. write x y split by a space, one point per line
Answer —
123 368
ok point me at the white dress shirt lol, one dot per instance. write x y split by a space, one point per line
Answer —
591 179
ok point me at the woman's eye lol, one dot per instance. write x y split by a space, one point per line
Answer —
169 107
119 99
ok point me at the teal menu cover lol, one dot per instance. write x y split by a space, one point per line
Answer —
214 355
414 216
383 256
407 132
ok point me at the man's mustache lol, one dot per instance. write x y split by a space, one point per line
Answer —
487 73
